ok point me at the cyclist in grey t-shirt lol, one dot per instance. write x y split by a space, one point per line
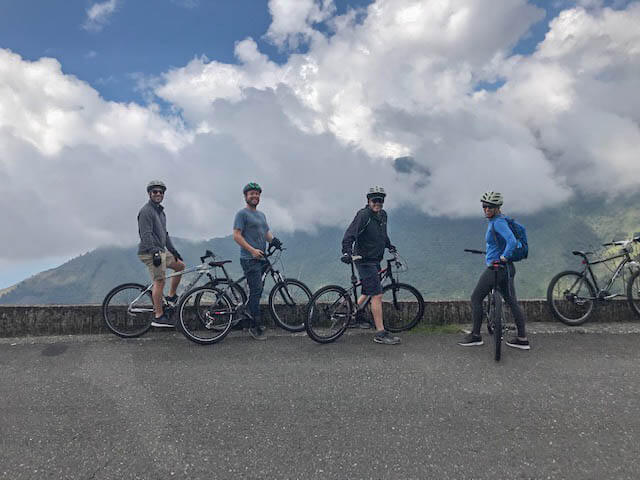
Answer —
251 232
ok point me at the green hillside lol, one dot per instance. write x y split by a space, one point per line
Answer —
432 246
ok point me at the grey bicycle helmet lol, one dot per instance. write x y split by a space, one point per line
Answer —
251 186
493 198
376 192
156 184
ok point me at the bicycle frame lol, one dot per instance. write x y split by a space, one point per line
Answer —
587 268
385 273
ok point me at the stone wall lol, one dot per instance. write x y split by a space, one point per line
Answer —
25 320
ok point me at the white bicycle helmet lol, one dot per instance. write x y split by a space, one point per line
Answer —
494 198
156 184
376 192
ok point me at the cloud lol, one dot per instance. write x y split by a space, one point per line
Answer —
99 14
392 96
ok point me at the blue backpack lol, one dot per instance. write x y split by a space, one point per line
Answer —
522 245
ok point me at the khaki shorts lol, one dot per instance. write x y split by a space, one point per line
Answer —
157 273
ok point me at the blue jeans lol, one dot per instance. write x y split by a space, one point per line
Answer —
253 270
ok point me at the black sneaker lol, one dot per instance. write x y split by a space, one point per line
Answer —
471 340
515 342
172 300
257 334
385 338
162 322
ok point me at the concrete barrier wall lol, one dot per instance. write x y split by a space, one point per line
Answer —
25 320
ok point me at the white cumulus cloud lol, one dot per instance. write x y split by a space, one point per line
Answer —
99 14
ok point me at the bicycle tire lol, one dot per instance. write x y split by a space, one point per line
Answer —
205 315
565 303
295 296
327 324
119 318
496 322
402 307
634 301
234 292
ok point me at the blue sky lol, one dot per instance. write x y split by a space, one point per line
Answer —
146 38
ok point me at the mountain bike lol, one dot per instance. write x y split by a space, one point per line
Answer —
128 311
572 295
495 320
333 308
287 300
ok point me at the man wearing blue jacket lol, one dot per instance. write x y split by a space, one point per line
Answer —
500 243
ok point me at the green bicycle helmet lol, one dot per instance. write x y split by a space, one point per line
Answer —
251 186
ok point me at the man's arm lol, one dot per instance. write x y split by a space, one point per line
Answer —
351 234
239 239
145 228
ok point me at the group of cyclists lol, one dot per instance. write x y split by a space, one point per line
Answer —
364 243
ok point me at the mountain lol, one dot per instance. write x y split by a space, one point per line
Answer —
432 246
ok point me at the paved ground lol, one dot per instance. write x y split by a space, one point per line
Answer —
99 407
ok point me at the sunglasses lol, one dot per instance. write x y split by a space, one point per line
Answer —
485 206
156 192
377 200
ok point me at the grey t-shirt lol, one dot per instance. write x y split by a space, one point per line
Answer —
253 226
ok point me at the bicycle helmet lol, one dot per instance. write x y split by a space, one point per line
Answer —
493 198
376 192
251 186
156 184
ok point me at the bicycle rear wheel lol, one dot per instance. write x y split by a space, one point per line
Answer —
288 302
205 315
633 293
330 309
496 324
127 310
571 297
402 307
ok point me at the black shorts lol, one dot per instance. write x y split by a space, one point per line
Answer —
368 272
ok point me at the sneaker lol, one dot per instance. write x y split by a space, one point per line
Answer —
172 300
385 338
515 342
162 322
471 340
257 334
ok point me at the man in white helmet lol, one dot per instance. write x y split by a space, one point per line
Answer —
157 252
500 243
368 234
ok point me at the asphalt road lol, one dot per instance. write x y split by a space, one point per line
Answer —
160 407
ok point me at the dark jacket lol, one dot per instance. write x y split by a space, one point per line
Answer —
368 231
152 227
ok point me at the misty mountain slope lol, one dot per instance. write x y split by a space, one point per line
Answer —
433 248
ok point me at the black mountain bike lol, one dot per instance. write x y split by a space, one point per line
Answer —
287 300
128 311
332 308
495 320
572 296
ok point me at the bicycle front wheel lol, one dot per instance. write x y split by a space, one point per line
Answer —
288 302
402 307
127 310
633 293
205 315
328 314
571 297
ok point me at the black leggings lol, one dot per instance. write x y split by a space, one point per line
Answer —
506 289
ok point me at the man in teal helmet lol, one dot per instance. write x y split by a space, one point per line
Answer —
251 232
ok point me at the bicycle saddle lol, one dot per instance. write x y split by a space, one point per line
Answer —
219 264
581 253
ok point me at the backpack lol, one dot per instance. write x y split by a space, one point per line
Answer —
522 245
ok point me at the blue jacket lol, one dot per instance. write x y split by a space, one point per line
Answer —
502 243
